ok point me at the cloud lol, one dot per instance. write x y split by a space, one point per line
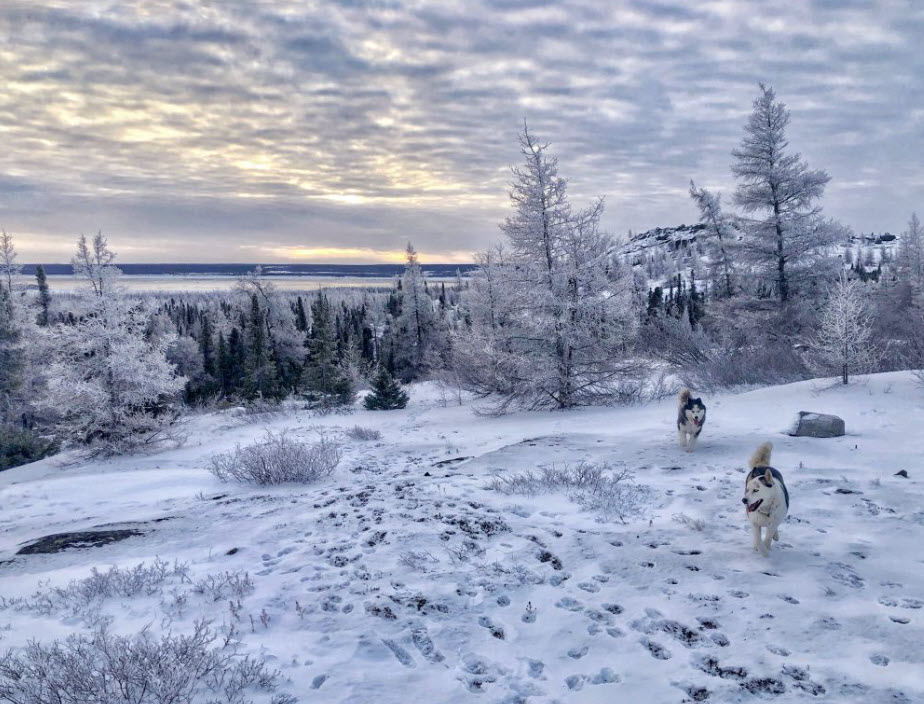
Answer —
194 132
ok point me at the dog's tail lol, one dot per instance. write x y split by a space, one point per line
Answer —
761 456
684 396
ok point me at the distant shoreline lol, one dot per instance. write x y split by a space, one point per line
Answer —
270 270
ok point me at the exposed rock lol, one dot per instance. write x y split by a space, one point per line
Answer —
817 425
83 539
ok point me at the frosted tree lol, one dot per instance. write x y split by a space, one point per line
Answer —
323 377
44 297
845 343
109 383
910 260
567 303
785 236
12 357
414 325
8 266
718 231
484 354
93 262
284 340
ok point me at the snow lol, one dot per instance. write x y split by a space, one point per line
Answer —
648 610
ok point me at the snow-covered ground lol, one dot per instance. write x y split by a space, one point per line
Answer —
403 578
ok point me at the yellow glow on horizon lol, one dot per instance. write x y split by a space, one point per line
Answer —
362 255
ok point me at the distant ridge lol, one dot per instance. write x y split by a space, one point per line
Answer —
332 270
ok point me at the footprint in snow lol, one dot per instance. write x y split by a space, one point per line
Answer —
566 602
589 587
605 676
400 653
423 643
536 668
318 681
578 652
496 631
658 651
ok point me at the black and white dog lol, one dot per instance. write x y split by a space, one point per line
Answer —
691 415
765 498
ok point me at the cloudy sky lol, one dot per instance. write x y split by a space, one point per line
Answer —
261 130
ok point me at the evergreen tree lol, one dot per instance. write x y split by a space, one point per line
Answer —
44 296
11 357
207 348
785 236
386 394
261 380
323 378
8 266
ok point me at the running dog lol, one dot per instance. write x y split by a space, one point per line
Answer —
691 415
766 499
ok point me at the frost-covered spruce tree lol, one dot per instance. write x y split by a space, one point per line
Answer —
910 260
44 297
386 394
483 352
845 343
719 233
785 236
261 380
323 378
8 265
110 385
12 357
414 326
569 320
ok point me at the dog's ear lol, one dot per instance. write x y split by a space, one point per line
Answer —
768 477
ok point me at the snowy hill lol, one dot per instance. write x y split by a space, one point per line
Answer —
405 577
664 252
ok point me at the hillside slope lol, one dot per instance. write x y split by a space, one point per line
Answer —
405 577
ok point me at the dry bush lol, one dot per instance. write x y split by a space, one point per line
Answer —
82 597
595 487
697 524
358 432
138 669
277 459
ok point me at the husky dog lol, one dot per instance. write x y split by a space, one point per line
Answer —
690 418
765 498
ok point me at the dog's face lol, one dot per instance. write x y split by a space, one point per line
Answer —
759 491
695 411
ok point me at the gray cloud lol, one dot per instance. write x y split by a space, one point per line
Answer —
211 131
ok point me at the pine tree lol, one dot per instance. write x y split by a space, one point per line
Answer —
785 236
261 379
44 297
386 394
719 232
323 378
8 266
207 348
11 356
414 325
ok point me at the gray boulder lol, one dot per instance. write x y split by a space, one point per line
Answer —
817 425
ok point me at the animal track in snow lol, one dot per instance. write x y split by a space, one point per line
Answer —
401 654
658 651
496 631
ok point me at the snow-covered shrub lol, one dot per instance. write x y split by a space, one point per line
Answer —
358 432
697 524
225 585
140 669
81 596
595 487
277 459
